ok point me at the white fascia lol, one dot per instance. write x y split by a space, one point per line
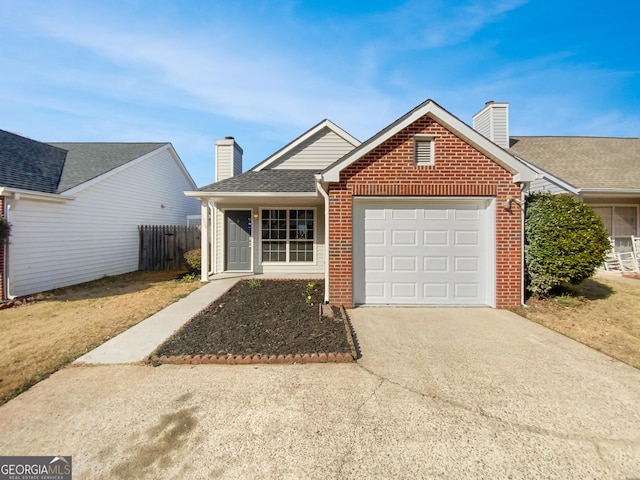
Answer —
520 171
223 195
18 193
609 191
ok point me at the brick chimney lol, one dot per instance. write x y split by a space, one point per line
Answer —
493 122
228 158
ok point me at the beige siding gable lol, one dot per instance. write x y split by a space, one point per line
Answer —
316 153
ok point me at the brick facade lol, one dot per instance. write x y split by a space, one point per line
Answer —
459 171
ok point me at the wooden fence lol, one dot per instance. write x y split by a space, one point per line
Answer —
162 247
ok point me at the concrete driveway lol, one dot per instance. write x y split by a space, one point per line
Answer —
438 393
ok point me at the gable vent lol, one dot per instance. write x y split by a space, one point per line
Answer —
424 150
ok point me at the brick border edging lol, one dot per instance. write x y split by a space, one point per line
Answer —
253 359
333 357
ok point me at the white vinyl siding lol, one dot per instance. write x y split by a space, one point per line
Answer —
59 244
544 185
493 122
316 153
228 159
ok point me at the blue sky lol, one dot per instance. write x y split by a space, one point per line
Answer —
190 72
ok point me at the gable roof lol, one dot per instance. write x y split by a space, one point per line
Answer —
305 138
86 161
54 168
584 162
28 164
266 181
520 170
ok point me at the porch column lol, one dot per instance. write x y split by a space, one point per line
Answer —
204 240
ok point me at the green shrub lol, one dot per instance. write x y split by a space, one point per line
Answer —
565 241
193 259
5 231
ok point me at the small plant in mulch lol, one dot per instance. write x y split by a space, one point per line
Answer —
311 288
254 283
249 324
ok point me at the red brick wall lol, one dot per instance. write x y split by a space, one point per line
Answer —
2 248
459 170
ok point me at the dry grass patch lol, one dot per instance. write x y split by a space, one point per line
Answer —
38 338
601 313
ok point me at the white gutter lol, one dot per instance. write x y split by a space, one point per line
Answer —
18 193
222 195
609 191
324 194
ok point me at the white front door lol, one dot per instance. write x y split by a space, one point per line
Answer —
423 252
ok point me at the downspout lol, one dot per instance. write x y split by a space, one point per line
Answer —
325 195
9 205
523 266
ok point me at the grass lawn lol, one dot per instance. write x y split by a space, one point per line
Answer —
602 313
39 337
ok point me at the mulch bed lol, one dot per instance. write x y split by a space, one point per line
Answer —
273 322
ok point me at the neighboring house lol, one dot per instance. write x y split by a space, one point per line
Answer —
75 208
425 212
602 172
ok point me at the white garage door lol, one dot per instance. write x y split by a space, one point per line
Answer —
428 252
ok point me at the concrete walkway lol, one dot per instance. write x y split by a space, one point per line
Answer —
135 344
439 393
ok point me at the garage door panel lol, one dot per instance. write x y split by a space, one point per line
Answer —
404 264
404 290
404 214
375 237
435 213
375 290
435 291
462 237
403 238
466 264
375 214
375 264
466 290
435 264
465 213
435 237
425 252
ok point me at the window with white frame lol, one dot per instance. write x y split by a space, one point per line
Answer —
423 148
621 222
288 235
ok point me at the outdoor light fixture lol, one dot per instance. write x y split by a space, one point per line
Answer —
507 203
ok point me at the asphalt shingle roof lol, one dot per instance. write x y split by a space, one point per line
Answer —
29 165
56 167
274 181
584 162
86 161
